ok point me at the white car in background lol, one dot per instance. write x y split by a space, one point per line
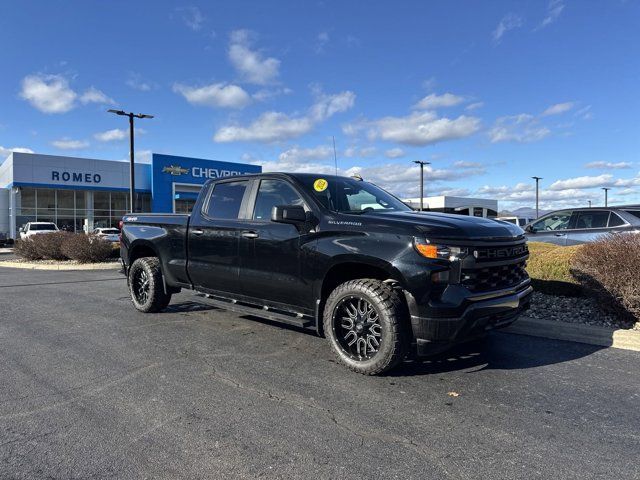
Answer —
108 234
520 221
37 228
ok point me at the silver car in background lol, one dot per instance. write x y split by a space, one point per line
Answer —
583 225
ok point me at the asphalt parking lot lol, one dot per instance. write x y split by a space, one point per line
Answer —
91 388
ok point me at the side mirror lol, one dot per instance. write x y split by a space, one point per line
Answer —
292 214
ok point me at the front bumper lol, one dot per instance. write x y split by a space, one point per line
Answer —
438 326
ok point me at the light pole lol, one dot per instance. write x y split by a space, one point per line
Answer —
132 181
589 203
537 179
422 164
606 196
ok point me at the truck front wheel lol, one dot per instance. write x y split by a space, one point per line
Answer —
365 323
146 286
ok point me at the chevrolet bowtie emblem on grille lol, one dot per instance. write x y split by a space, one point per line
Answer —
175 170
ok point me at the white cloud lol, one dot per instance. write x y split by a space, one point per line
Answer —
217 95
604 180
554 9
558 108
434 101
474 106
52 94
112 135
417 128
510 21
628 182
297 154
48 93
467 164
6 151
522 128
268 127
192 17
93 95
355 152
277 126
430 83
69 144
609 165
250 63
328 105
136 82
394 153
266 94
321 41
584 113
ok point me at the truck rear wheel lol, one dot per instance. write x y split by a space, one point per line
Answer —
365 323
146 286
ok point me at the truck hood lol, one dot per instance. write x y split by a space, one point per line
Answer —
444 225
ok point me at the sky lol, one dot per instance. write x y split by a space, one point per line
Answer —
491 93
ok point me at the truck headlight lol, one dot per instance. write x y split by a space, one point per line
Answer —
438 251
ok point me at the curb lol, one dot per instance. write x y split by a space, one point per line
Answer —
576 332
36 266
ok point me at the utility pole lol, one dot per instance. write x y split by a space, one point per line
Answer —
589 203
537 179
422 164
606 196
132 179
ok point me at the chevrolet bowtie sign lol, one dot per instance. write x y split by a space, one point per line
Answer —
175 170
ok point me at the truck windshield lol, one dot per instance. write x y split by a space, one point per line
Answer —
347 195
42 226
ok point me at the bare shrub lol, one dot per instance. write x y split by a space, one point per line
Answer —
46 246
49 245
27 249
609 269
86 248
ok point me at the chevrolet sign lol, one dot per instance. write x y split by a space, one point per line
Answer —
175 170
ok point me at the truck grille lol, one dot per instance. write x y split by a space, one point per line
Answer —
485 279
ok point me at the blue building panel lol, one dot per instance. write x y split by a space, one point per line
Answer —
169 172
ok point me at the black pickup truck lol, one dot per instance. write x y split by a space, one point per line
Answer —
339 256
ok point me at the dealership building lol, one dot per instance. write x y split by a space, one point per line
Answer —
80 194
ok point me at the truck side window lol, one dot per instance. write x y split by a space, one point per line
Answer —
272 193
226 199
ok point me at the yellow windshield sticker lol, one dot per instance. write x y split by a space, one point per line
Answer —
320 185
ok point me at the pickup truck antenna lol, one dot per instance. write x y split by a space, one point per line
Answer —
335 157
335 184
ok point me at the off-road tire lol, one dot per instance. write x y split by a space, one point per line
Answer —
393 319
156 299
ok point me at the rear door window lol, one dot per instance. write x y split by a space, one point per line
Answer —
226 199
635 213
594 219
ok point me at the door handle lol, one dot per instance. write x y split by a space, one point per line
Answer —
197 232
249 234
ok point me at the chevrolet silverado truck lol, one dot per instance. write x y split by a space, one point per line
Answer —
335 255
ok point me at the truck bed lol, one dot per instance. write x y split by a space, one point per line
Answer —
165 235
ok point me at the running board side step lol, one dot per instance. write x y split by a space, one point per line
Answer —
295 319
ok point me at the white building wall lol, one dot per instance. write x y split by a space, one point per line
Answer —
6 173
4 211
